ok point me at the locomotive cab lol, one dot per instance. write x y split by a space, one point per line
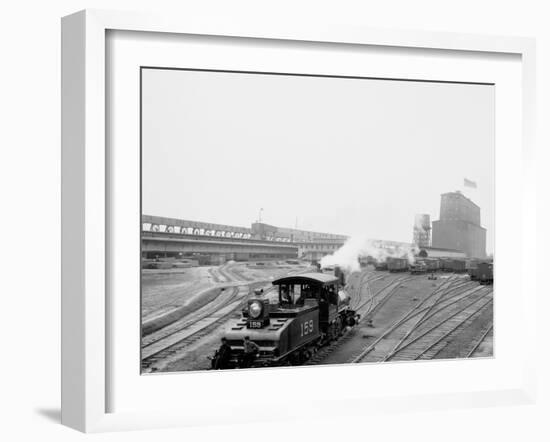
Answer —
321 291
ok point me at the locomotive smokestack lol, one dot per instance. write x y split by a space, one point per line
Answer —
340 275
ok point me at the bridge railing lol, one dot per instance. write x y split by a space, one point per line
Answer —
240 233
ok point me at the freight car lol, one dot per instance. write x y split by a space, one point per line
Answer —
472 271
365 261
454 265
484 273
398 264
432 264
471 268
418 267
458 266
312 310
444 264
424 265
381 265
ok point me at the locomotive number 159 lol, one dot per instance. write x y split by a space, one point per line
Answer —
306 327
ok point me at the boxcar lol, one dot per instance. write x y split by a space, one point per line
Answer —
381 265
398 264
484 273
432 265
418 267
471 269
458 265
454 265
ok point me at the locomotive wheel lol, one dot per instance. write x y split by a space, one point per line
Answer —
340 327
308 354
335 329
285 362
295 358
330 334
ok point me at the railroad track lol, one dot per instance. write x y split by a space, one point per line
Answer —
168 306
225 273
216 275
429 343
177 341
441 287
223 298
232 283
416 311
364 282
453 305
445 295
232 272
380 298
389 289
476 345
174 338
150 364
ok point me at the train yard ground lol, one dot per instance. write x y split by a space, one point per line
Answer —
185 311
404 317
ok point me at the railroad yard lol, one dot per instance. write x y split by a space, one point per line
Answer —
404 317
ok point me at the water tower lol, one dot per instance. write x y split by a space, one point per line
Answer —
422 230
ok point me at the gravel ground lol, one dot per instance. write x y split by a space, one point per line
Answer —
403 300
167 287
400 302
485 349
164 290
463 341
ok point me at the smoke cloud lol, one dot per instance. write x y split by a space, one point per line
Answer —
347 256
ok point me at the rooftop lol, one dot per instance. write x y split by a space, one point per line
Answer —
441 249
316 278
459 193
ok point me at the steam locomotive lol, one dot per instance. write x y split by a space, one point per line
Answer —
312 310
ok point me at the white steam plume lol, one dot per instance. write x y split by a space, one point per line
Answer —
347 256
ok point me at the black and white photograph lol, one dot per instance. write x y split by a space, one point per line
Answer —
300 220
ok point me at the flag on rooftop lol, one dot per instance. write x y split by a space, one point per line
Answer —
469 183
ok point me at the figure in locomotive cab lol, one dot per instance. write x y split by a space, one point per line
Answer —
285 295
250 351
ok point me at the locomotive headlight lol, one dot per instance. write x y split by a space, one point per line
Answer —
255 309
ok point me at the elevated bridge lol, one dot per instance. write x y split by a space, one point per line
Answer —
172 244
170 237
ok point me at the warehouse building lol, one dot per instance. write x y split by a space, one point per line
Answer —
433 252
459 226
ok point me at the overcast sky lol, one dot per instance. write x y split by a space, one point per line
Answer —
350 156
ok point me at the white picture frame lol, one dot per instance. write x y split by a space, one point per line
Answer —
86 214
